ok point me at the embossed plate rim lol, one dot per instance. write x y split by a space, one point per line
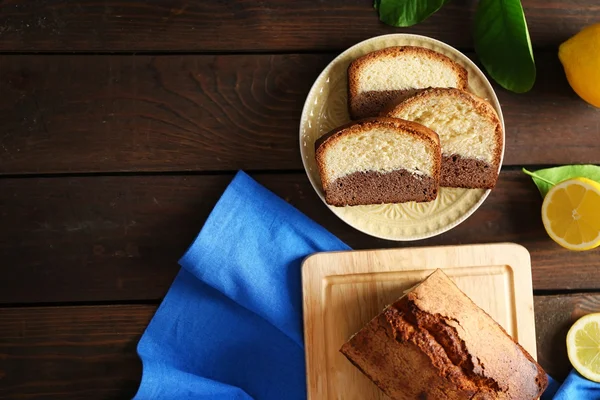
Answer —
360 220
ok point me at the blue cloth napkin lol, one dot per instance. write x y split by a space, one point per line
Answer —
575 387
230 326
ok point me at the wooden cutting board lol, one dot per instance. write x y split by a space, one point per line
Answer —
345 290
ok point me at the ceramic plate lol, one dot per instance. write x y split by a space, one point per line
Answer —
326 108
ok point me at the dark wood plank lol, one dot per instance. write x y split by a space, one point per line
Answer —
71 352
554 315
89 352
247 25
152 113
182 113
550 124
119 238
98 238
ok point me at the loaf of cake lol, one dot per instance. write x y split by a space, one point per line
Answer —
387 75
435 343
470 134
379 160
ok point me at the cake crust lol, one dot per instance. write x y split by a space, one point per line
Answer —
370 103
435 343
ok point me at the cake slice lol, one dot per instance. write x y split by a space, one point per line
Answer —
386 75
435 343
379 160
470 133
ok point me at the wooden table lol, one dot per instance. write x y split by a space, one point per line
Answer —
123 122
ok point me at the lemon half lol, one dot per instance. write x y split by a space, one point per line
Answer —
583 346
571 214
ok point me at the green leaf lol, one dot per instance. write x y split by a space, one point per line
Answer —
546 178
376 4
503 45
406 12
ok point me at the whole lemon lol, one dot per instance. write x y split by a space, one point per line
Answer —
580 57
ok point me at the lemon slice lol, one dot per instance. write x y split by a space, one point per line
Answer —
571 214
583 346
